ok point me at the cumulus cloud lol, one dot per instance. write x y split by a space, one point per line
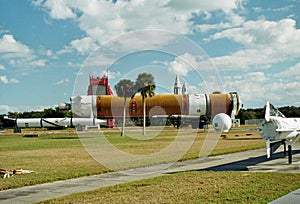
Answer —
263 33
60 9
38 63
18 54
83 46
183 64
5 80
9 47
292 72
256 88
232 20
266 43
250 86
63 82
103 20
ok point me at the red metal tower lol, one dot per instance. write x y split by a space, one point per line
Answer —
100 86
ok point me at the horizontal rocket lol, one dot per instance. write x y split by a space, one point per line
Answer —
55 122
108 106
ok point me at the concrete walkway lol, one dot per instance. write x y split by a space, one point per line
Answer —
254 160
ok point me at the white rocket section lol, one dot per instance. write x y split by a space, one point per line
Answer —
56 122
197 104
84 106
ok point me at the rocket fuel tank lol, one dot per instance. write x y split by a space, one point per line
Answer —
108 106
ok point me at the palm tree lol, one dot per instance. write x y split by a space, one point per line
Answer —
145 85
124 89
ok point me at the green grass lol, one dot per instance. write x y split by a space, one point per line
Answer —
51 158
61 156
194 187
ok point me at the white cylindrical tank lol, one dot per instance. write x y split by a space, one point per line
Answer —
28 122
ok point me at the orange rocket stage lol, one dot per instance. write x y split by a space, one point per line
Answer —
108 106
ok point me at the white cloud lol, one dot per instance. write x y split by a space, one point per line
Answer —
189 5
18 55
182 65
250 86
83 46
290 73
10 48
72 64
114 75
59 9
263 33
266 43
2 67
63 82
255 88
284 9
47 53
5 80
257 9
26 64
232 20
14 81
103 20
38 63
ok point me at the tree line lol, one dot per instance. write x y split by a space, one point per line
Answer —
259 113
46 113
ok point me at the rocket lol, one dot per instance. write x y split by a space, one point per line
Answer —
108 106
191 106
278 130
52 122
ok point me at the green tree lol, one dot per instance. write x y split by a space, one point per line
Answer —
145 86
1 121
124 89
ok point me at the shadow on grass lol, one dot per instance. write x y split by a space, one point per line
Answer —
244 164
241 165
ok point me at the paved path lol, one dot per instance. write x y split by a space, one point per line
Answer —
254 160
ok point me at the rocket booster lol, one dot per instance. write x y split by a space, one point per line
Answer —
55 122
108 106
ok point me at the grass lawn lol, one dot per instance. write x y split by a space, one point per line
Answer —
194 187
60 155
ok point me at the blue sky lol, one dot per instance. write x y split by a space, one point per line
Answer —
48 48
